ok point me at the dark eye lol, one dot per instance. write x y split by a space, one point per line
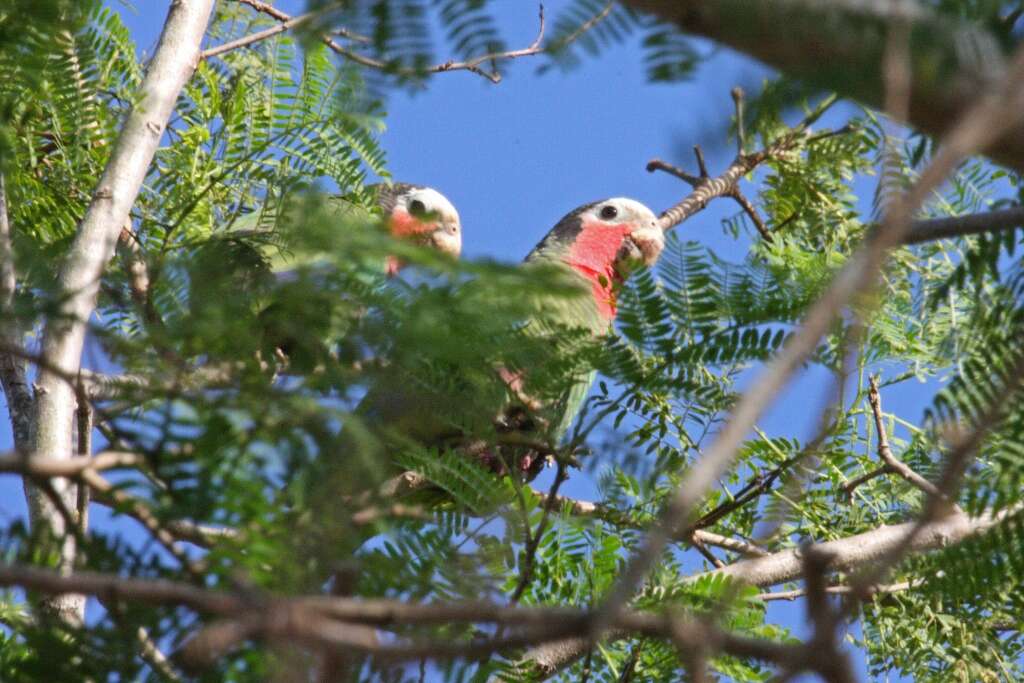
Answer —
609 212
417 208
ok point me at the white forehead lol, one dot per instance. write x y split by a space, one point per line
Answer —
433 200
628 210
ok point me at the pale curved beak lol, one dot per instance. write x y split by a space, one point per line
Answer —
641 247
447 238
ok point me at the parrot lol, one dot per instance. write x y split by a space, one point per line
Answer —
599 244
296 323
593 249
416 213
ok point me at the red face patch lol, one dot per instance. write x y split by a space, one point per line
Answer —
404 224
593 256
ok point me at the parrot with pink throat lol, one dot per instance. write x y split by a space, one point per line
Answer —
598 245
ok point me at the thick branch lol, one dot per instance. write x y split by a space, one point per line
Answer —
962 226
847 554
13 377
59 467
854 552
327 621
841 47
93 247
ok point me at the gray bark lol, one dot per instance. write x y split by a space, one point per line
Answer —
64 334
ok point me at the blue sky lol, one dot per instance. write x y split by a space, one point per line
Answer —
516 156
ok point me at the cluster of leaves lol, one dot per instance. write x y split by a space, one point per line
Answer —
289 449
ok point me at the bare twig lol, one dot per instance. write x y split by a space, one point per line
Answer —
84 427
849 487
533 539
885 452
741 134
142 513
748 208
258 36
583 508
703 550
473 65
659 165
940 506
725 183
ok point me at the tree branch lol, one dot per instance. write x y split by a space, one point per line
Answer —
962 226
472 65
13 377
258 36
841 47
14 461
64 333
840 590
860 550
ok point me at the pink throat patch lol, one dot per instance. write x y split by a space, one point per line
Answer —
404 224
593 256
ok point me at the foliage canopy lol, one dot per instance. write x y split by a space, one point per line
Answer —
275 451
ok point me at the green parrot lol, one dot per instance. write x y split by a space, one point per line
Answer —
297 314
445 392
416 213
593 249
598 245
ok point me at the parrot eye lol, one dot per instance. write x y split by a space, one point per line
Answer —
417 208
609 212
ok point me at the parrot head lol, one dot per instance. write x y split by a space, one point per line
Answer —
604 242
421 215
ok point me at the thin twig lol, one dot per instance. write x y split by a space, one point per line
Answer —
741 134
885 452
472 65
142 513
840 590
258 36
534 539
703 550
940 506
749 209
